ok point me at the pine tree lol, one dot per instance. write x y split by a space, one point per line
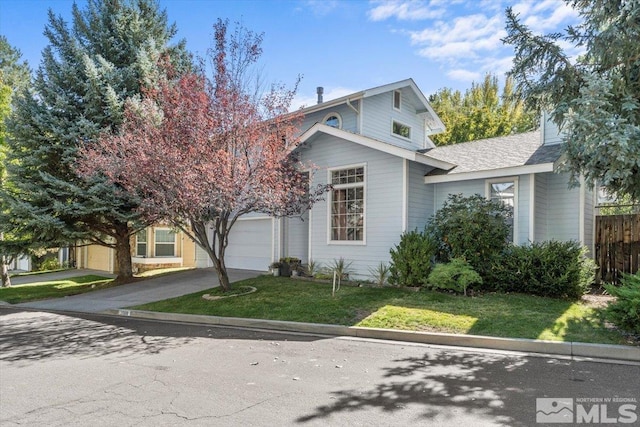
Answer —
481 112
588 79
88 71
14 76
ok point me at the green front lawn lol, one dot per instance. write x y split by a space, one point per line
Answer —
501 315
71 286
53 289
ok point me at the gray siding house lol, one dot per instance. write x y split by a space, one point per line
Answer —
388 177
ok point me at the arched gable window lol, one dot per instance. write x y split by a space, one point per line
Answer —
334 120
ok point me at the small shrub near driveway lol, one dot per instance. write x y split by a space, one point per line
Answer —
456 275
411 259
551 269
625 312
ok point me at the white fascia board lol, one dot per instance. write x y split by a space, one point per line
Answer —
330 104
390 87
376 145
492 173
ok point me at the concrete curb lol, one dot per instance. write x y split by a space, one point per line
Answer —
576 349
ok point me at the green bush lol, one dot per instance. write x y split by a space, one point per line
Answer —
50 264
456 275
625 312
551 269
411 259
472 228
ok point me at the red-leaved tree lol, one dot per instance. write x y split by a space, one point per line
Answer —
199 153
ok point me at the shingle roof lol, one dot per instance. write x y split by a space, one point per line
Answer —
522 149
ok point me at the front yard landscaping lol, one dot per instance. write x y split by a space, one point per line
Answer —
493 314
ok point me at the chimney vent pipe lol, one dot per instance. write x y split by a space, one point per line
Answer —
319 91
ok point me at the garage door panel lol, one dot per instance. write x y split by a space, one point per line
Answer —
250 245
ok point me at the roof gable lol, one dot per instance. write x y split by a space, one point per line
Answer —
423 108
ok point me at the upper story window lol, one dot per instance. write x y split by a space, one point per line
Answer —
165 242
141 243
505 191
334 120
347 205
397 100
401 130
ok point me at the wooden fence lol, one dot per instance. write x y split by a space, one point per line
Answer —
617 246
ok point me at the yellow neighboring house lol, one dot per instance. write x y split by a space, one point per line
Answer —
154 247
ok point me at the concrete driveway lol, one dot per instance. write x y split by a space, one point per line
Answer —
160 288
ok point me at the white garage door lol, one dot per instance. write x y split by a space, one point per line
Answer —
250 244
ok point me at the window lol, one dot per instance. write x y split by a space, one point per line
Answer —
334 120
347 205
397 99
165 242
141 243
505 192
401 130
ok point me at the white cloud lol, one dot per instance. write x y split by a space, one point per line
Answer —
545 16
467 37
322 7
464 75
308 99
405 10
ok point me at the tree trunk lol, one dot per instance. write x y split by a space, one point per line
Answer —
4 268
4 273
123 253
223 277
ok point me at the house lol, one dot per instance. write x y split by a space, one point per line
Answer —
20 263
154 247
388 177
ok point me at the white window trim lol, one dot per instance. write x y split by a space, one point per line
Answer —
393 100
362 242
146 254
516 201
400 136
324 121
155 242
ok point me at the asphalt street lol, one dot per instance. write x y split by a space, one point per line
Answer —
92 369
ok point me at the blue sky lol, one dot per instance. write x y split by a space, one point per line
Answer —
343 45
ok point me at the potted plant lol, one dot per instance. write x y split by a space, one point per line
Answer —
288 264
275 268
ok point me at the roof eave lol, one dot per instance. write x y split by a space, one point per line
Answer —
490 173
